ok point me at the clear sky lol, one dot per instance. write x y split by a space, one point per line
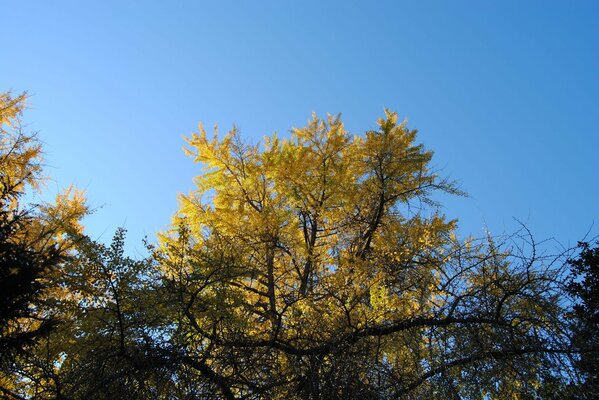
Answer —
506 94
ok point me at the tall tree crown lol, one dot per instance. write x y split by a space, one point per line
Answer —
318 266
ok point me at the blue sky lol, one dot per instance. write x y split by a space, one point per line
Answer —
505 93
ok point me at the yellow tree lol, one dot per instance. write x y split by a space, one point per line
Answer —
33 243
318 266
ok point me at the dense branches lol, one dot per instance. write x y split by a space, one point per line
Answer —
311 269
314 267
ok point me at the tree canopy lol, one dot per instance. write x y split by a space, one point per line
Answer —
316 266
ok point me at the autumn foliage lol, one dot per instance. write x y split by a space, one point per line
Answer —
314 266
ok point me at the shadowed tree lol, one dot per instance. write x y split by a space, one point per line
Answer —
585 289
108 342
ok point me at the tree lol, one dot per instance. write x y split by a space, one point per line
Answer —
319 267
32 241
585 289
108 345
110 341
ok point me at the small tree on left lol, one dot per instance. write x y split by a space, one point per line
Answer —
34 241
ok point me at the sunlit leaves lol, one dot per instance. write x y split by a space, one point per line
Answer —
34 244
308 238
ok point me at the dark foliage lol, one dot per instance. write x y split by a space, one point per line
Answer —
585 288
22 267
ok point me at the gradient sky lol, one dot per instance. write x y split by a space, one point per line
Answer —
506 94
